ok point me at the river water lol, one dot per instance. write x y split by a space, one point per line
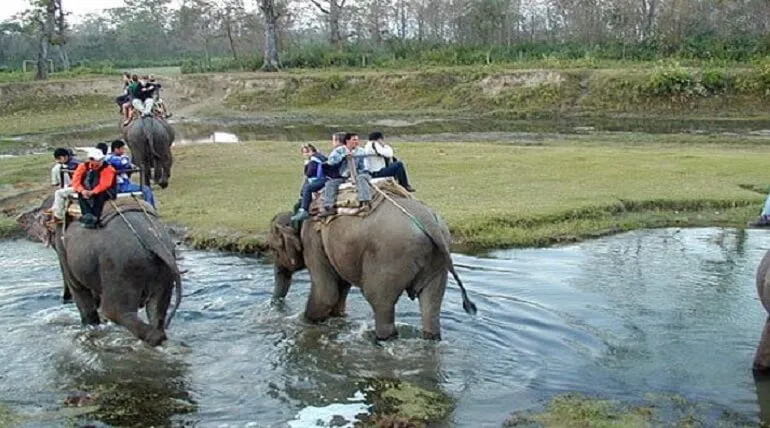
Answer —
647 313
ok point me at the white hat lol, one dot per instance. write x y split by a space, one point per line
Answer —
94 153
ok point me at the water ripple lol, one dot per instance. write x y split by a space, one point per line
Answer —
663 311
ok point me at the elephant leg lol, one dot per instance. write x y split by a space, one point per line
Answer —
430 298
120 305
66 295
87 305
339 309
157 307
324 294
382 295
762 356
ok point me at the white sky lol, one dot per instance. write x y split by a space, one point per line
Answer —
77 7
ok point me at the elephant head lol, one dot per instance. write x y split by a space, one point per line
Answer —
286 246
33 222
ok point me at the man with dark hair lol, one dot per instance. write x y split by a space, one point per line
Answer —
94 181
103 147
380 161
120 161
338 161
65 160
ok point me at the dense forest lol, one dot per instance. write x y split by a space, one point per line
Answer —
216 35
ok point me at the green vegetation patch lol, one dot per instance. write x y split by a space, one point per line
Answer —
399 403
491 195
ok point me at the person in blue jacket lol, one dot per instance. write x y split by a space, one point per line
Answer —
315 179
121 162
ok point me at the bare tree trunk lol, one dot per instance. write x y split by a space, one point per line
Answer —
46 36
64 57
231 40
333 15
42 59
271 60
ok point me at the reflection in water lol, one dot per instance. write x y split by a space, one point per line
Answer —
664 312
132 383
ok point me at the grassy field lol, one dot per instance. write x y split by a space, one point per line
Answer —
492 195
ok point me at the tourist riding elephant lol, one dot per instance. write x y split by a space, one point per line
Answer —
127 264
762 356
150 140
384 253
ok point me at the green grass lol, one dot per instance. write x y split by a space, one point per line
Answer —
59 119
492 195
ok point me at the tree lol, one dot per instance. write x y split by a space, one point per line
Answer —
40 19
333 11
270 13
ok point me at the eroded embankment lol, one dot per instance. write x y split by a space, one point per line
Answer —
662 91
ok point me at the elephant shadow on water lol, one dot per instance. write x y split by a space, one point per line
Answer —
399 380
140 387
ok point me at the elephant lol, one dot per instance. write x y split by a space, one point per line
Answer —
150 140
762 356
384 253
127 264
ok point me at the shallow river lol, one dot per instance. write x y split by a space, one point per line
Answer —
647 313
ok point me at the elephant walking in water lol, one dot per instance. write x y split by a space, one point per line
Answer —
384 253
150 140
762 356
127 264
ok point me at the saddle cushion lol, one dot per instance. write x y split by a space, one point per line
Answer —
347 199
124 202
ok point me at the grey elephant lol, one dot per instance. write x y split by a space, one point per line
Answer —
127 264
384 253
150 140
762 355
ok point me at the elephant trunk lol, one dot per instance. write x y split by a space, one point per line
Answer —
282 282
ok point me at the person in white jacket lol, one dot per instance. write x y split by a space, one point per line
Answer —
380 161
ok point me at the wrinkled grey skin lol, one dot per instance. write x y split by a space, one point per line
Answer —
762 356
384 254
150 140
110 268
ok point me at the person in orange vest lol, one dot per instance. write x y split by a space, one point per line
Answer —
95 181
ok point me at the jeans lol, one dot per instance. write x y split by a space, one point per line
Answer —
60 201
308 188
396 170
133 187
332 187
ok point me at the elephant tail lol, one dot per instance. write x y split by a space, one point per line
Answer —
148 135
177 295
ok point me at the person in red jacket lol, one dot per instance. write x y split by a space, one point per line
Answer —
95 182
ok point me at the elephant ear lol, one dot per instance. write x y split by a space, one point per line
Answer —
286 245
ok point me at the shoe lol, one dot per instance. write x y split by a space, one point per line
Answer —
126 122
169 115
410 189
300 215
327 212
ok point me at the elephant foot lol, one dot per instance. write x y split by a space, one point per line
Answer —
386 338
427 335
155 337
90 318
